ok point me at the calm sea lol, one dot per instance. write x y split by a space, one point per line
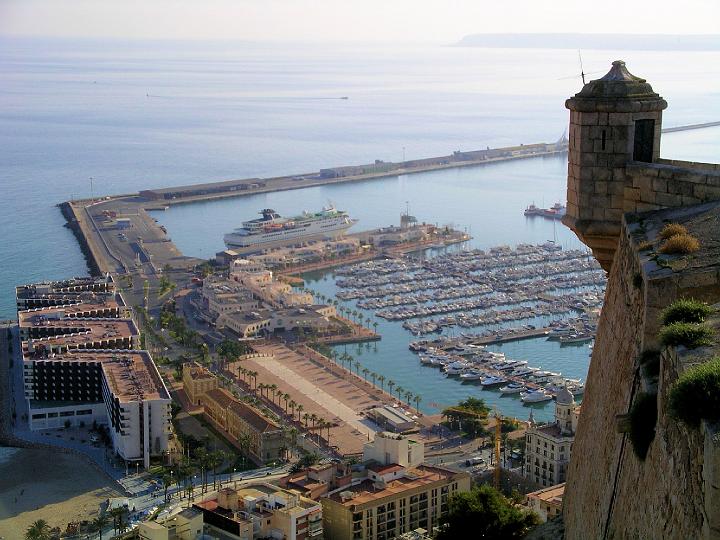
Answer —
150 114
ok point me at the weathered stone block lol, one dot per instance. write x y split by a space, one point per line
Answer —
705 192
589 118
616 188
644 206
588 159
617 201
619 119
668 199
659 184
631 194
693 280
688 201
712 180
600 187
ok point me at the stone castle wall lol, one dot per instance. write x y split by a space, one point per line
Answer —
610 493
669 183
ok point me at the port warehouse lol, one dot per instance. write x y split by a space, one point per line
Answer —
82 364
378 167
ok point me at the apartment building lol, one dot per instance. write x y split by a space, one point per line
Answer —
397 495
185 525
82 364
548 447
262 511
547 502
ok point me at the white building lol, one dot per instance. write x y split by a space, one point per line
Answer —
81 364
391 448
548 447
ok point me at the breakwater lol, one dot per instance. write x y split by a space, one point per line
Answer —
158 198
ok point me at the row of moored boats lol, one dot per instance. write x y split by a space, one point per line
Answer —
474 364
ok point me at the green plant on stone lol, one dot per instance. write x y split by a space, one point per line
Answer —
696 394
686 310
643 417
689 335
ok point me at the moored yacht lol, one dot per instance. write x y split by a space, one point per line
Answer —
513 388
536 396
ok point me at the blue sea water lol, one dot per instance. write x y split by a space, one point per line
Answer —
134 115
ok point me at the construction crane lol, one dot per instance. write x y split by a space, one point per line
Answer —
498 434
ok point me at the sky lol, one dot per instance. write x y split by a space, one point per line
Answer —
348 20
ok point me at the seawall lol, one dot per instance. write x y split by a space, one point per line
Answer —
73 224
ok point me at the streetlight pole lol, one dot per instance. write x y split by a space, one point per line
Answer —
91 189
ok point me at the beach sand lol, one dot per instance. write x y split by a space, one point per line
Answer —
50 485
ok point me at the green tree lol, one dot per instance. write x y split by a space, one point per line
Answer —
485 513
39 530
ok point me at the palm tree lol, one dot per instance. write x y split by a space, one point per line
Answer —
285 398
292 406
391 384
373 376
300 409
273 389
39 530
167 480
244 441
114 514
215 459
305 418
313 419
375 325
418 399
99 523
261 387
381 378
399 391
365 372
409 397
321 424
357 367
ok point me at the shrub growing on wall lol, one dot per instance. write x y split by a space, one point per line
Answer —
686 310
672 229
688 334
696 394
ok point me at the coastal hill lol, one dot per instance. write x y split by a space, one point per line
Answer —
637 42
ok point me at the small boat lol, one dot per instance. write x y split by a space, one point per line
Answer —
513 388
535 396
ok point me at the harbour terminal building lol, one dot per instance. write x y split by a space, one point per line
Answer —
82 363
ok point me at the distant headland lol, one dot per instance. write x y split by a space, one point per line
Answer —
639 42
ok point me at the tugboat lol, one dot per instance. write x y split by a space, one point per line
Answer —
556 211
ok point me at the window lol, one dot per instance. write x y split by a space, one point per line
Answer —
644 140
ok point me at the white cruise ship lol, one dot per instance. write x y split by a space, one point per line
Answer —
273 230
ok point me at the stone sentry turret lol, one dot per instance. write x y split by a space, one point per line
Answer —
613 120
